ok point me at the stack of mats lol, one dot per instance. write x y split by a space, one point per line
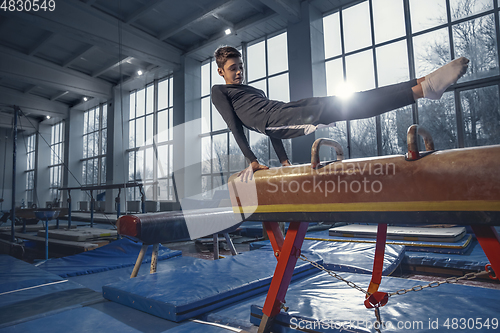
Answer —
201 287
439 240
118 254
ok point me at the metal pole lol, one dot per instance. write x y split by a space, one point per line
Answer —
117 200
230 244
91 208
46 238
216 246
69 209
14 156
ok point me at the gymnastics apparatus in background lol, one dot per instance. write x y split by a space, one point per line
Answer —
456 186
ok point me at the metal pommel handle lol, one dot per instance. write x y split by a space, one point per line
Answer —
324 142
413 132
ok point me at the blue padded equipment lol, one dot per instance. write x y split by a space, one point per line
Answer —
212 284
325 299
117 254
458 246
78 320
97 280
26 290
349 257
195 327
473 259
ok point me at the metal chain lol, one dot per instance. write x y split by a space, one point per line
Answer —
333 274
433 284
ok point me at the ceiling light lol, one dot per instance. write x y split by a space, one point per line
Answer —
85 99
228 31
48 117
139 72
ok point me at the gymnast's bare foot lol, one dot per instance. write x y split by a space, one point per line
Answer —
435 83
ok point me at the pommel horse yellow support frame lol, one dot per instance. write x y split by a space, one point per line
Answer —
457 186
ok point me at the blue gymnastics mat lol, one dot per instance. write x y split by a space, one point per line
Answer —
348 257
97 280
321 299
109 317
26 291
120 253
473 259
100 317
200 327
204 286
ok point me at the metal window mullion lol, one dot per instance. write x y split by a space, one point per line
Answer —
155 134
344 72
497 31
411 55
456 93
211 129
378 125
266 55
99 145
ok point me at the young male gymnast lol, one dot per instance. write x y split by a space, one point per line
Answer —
243 105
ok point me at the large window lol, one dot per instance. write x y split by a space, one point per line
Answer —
150 152
220 153
30 170
380 42
266 69
94 145
56 159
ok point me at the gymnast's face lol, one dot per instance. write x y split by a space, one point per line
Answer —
232 71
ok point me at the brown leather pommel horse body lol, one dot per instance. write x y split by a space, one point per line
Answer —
457 186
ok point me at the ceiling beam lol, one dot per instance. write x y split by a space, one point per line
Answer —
90 2
289 9
30 89
18 66
43 41
31 104
221 38
78 21
6 121
131 78
253 5
110 65
4 22
228 23
141 11
59 95
80 53
198 33
206 12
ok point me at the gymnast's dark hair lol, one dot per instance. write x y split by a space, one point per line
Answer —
225 52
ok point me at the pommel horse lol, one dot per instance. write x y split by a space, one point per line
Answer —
457 186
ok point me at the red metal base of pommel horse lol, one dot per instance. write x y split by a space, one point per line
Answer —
421 189
287 251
